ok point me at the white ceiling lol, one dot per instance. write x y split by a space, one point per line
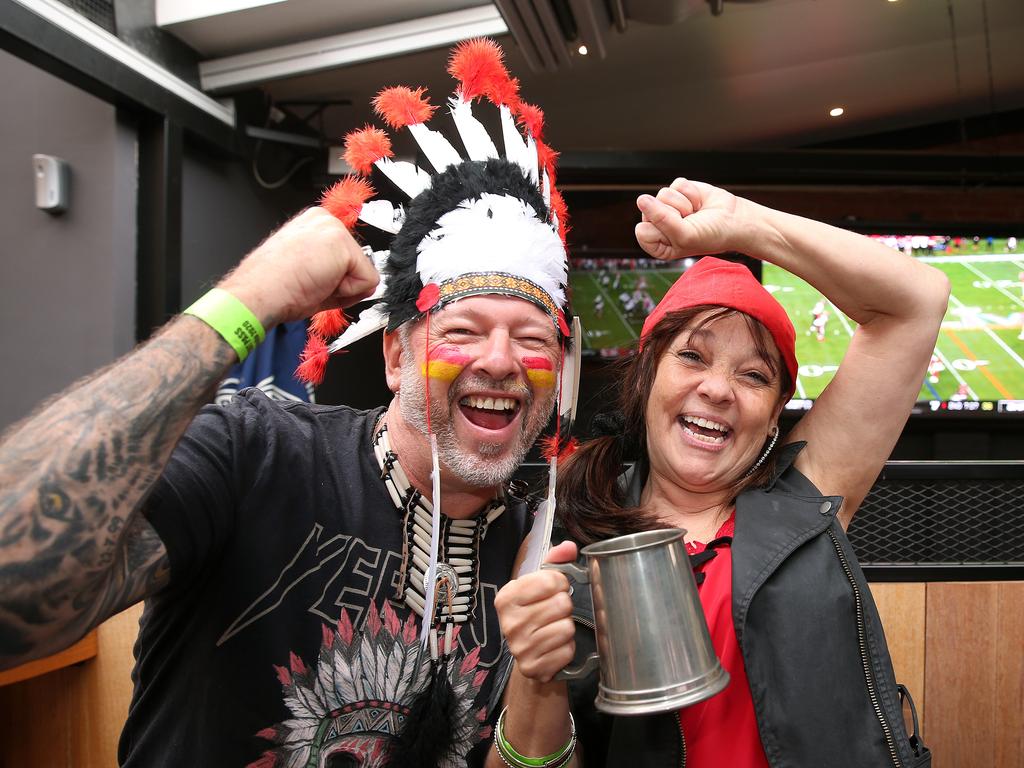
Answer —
761 75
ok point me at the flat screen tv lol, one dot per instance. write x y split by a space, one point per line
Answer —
613 294
978 362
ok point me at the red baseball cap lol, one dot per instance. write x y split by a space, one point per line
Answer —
717 282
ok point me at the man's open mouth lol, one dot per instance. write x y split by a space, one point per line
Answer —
705 430
489 412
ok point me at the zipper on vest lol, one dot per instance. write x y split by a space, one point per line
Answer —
584 622
869 677
682 740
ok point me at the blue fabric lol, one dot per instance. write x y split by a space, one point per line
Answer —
271 367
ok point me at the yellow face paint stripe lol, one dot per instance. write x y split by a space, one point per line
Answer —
540 378
440 369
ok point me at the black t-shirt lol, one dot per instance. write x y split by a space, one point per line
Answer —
277 642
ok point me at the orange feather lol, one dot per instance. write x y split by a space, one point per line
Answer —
328 324
560 209
401 106
532 118
479 67
345 199
313 360
365 147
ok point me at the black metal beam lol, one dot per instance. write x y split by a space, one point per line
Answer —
158 244
37 41
804 166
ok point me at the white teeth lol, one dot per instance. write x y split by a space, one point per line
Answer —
489 403
705 423
704 438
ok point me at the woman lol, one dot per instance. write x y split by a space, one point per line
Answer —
788 609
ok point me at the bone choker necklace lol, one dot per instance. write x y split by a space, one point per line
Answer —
458 557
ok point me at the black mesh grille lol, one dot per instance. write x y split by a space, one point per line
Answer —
99 12
941 522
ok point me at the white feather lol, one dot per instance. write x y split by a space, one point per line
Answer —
516 149
569 386
495 233
545 190
474 136
346 684
383 215
539 538
436 147
406 176
371 319
532 161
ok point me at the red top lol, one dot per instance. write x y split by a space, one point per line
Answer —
722 730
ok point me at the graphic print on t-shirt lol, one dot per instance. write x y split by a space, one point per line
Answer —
348 574
355 700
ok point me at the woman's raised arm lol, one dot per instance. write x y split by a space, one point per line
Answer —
897 302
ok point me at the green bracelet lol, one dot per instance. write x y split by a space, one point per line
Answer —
231 319
513 759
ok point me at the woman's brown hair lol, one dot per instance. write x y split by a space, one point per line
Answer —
591 501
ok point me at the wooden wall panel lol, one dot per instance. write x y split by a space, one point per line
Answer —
902 610
84 649
975 675
72 718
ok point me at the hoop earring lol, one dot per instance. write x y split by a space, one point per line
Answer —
775 436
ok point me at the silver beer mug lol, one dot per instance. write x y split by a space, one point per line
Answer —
653 646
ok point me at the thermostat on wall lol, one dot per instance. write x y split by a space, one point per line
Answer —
52 176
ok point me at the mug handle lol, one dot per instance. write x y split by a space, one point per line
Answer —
574 572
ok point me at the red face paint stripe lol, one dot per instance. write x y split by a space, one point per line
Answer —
449 355
538 363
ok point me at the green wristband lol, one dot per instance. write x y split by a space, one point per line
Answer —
513 759
231 319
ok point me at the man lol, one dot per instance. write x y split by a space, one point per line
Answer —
319 581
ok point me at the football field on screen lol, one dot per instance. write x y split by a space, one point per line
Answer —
614 327
979 355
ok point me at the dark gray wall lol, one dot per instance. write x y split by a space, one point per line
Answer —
66 282
225 214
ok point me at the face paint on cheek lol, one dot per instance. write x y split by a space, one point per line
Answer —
539 371
446 363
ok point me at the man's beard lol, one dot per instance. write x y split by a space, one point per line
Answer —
483 465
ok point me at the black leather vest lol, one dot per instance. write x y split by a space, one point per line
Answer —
820 675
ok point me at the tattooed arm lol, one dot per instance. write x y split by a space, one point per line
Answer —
74 549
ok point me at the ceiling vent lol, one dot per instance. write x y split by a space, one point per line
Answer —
550 33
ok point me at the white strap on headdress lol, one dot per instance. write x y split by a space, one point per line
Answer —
474 136
538 541
435 532
569 377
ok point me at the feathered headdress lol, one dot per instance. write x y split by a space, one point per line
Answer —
474 222
478 221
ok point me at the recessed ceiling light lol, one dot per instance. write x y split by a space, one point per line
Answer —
582 50
836 111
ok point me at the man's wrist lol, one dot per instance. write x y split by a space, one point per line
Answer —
231 318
